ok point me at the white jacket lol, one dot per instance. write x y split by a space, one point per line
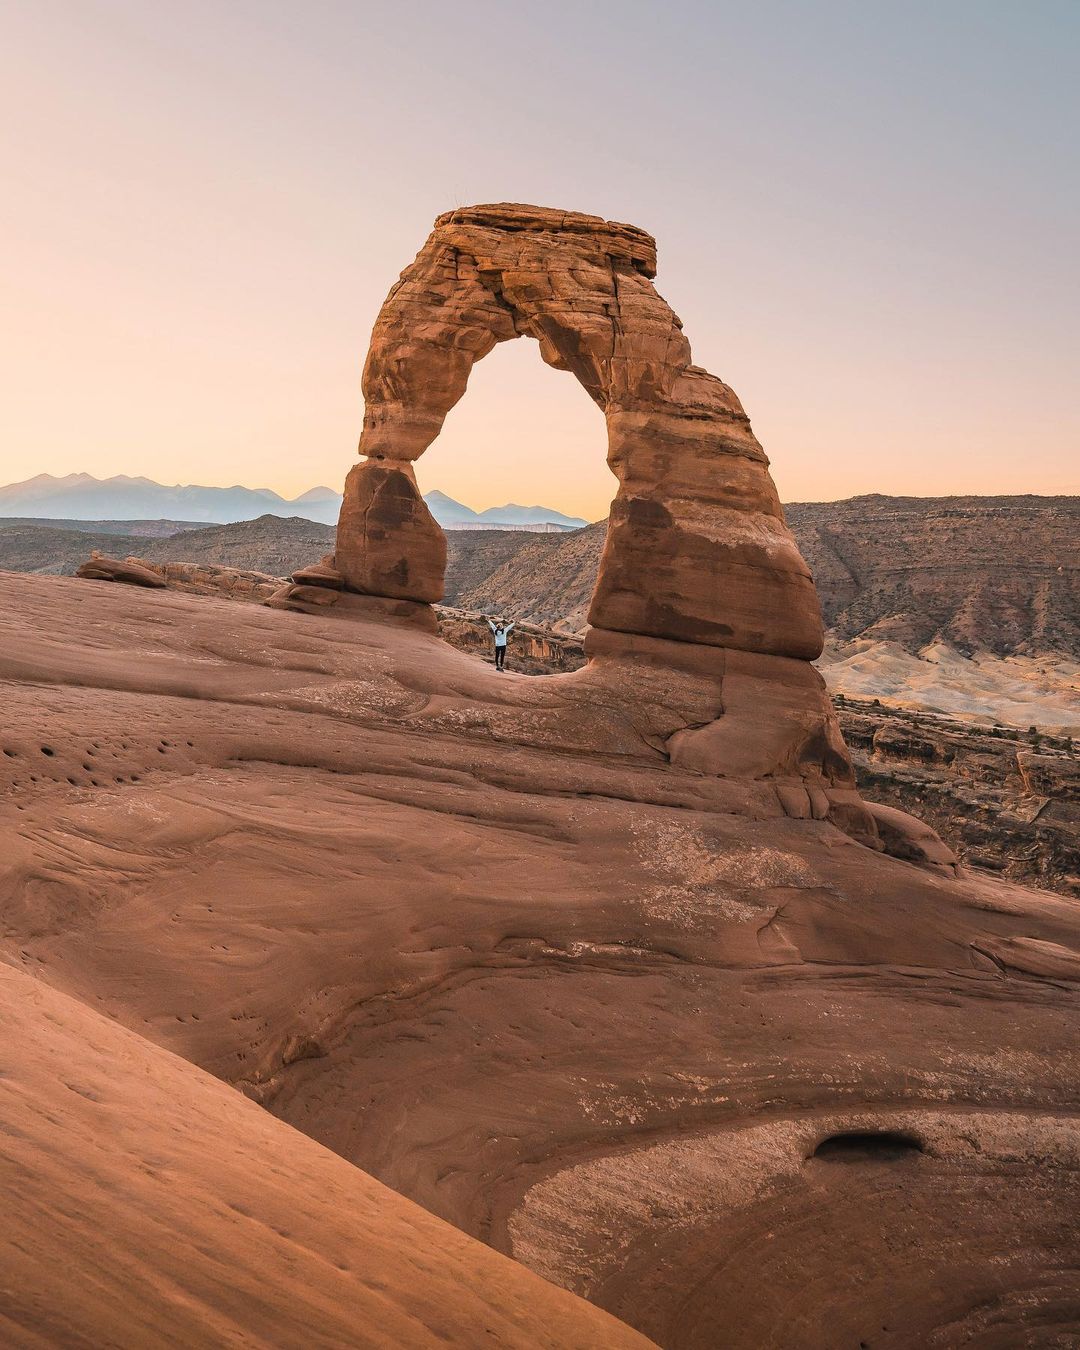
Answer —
500 634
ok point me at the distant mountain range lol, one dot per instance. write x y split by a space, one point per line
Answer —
79 496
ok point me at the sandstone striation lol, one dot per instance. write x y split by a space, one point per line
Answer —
1007 802
697 549
676 1045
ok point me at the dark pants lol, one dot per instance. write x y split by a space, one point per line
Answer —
500 657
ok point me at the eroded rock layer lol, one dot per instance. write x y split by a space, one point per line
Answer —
697 549
682 1047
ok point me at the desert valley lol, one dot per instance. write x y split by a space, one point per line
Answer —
708 977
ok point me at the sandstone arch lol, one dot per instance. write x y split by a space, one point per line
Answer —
697 547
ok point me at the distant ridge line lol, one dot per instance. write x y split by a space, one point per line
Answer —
81 496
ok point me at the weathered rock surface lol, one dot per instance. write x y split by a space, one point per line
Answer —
994 574
697 549
997 799
387 540
148 1204
1005 801
641 1027
131 571
230 583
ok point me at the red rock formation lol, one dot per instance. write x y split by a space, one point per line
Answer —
671 1042
697 549
388 542
128 570
699 574
148 1204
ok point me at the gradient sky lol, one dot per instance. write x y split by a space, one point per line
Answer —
867 216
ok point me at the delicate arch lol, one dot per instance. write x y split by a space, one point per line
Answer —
697 548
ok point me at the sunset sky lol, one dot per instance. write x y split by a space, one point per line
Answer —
867 217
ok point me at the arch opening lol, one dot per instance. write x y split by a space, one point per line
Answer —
522 433
522 436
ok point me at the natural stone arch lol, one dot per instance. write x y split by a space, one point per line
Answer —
697 548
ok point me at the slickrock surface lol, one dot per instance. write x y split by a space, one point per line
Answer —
697 549
147 1204
493 940
1002 800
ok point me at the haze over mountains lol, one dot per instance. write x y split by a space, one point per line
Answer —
80 496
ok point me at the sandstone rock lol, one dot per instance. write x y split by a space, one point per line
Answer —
99 568
233 583
1049 774
630 1023
905 837
302 599
388 542
322 573
201 1221
996 803
795 800
320 599
777 720
697 549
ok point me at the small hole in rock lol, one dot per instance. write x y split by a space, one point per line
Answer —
868 1146
48 750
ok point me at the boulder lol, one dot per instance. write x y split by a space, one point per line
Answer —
134 573
322 573
906 837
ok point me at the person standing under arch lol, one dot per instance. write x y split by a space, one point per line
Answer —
500 632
